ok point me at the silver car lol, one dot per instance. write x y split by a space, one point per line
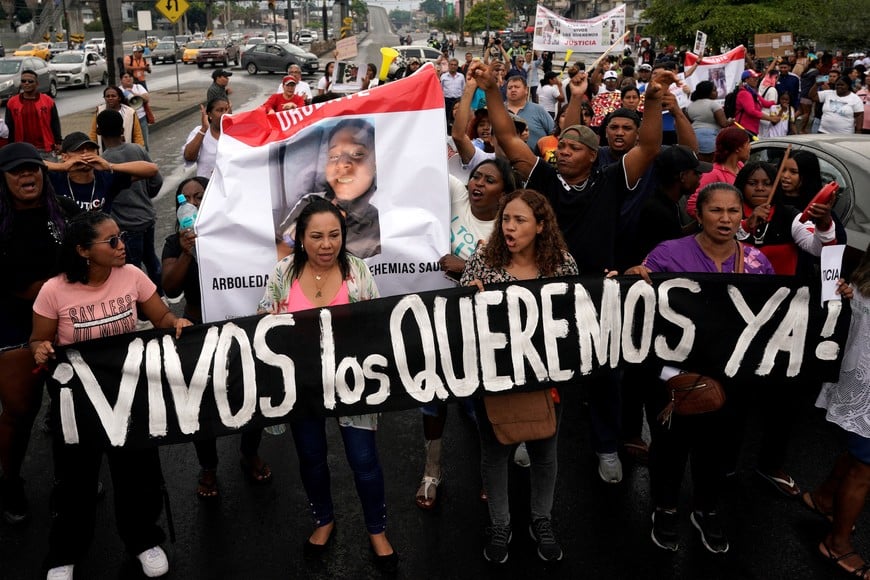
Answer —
75 68
844 159
10 76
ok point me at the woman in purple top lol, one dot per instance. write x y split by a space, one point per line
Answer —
704 439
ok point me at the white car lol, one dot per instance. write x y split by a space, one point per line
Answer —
74 68
304 37
96 44
283 37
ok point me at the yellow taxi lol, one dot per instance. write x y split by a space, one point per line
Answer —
191 49
38 49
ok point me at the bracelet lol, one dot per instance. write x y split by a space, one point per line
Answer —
203 133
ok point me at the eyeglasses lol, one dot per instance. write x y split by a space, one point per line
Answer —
114 240
27 82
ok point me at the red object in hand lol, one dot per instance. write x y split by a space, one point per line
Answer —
824 197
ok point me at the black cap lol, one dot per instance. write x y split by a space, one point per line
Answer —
550 75
15 154
221 73
678 158
75 141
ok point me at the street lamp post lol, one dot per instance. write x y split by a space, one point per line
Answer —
325 23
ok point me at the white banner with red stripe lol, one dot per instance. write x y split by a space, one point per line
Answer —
393 136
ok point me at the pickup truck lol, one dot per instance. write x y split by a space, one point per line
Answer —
217 52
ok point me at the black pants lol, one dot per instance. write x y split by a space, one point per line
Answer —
448 109
137 484
701 440
206 449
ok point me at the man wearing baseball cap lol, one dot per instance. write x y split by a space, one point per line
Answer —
610 79
136 65
286 100
219 88
88 179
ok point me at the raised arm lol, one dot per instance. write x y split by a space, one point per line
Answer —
577 85
459 131
685 133
649 142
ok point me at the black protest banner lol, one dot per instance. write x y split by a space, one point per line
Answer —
401 352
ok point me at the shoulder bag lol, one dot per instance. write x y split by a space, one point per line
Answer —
517 417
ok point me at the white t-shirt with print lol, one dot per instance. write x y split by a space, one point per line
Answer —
838 113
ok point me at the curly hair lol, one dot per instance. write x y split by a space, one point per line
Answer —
550 247
81 231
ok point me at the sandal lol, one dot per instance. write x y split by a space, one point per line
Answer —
858 572
206 487
783 483
424 500
255 469
809 501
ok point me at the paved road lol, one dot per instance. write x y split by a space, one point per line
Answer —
256 532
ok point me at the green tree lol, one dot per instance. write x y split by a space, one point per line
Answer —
400 17
486 15
448 24
432 7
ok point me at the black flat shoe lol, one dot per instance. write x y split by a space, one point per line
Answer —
388 563
314 551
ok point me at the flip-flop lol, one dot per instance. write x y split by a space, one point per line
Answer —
859 572
784 485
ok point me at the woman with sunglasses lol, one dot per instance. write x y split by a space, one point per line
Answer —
32 222
181 277
81 304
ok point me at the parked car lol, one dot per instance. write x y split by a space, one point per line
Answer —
10 76
844 159
277 57
97 44
191 49
55 48
304 37
166 52
75 68
424 53
251 42
216 52
283 37
38 49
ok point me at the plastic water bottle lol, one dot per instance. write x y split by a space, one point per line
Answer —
186 213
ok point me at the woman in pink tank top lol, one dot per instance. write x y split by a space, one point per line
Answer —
318 274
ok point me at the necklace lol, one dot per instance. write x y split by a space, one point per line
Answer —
317 278
72 192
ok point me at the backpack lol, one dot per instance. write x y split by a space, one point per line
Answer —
730 106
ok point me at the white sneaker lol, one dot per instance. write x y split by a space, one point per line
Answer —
521 456
60 573
609 467
154 562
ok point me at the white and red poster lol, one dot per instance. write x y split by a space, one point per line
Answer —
377 154
723 70
595 35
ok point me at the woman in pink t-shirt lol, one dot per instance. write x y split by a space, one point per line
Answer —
98 295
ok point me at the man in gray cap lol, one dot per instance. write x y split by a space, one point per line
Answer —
219 88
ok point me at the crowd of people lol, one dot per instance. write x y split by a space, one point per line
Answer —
544 165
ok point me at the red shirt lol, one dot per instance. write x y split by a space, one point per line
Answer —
277 101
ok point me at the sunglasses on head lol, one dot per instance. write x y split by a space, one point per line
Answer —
114 240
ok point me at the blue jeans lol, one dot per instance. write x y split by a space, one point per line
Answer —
140 249
143 124
309 436
494 460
